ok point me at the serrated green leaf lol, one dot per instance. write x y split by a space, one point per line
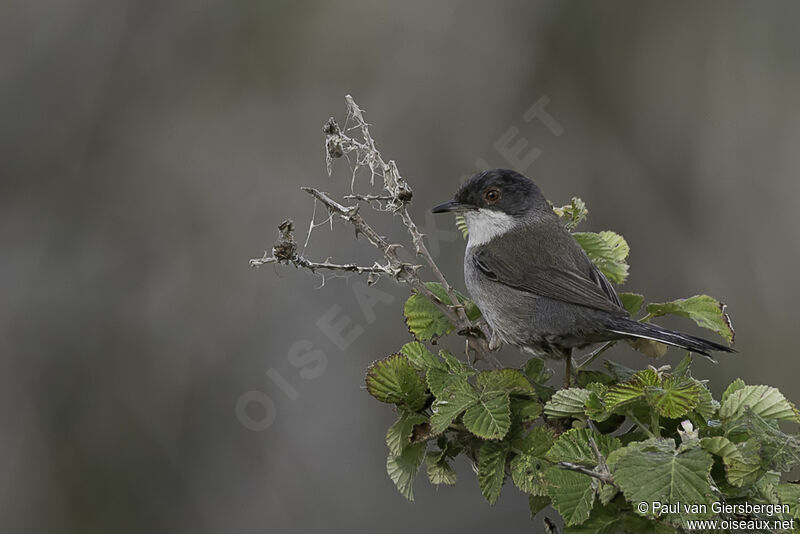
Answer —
398 437
453 371
779 451
790 494
674 398
395 381
722 447
509 381
527 473
424 319
632 302
525 410
706 405
765 401
450 404
489 417
573 446
572 494
420 357
608 251
601 521
573 213
492 468
567 403
536 442
536 370
654 470
537 503
705 311
440 471
403 469
624 394
744 468
736 385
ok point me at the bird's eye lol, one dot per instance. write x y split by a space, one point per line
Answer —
492 195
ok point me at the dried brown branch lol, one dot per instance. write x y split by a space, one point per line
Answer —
396 198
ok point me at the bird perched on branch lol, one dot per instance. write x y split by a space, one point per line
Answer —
533 282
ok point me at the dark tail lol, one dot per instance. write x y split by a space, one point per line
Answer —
629 328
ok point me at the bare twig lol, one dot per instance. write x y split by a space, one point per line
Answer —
399 192
364 153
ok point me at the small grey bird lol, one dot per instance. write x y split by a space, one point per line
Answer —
533 282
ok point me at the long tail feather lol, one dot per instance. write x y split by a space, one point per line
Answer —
629 328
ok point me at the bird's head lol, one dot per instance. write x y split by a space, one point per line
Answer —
496 201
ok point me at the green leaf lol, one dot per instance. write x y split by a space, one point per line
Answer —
736 385
572 494
706 311
722 447
525 410
452 371
450 404
490 416
624 394
537 503
536 371
744 468
567 403
790 494
536 442
654 470
440 471
706 405
608 251
573 213
395 381
765 401
420 357
779 451
601 521
573 446
675 397
510 381
492 469
403 469
398 437
424 319
632 302
742 462
527 472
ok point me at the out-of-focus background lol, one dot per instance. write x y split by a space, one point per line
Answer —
149 378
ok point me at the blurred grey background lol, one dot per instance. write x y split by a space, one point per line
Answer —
149 149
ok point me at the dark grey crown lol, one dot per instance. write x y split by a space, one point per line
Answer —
518 194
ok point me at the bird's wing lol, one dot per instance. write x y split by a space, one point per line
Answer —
555 268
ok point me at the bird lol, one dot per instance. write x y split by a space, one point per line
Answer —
534 284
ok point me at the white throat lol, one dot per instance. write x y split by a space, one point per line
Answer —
484 225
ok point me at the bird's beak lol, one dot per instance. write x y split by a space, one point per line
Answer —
450 205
